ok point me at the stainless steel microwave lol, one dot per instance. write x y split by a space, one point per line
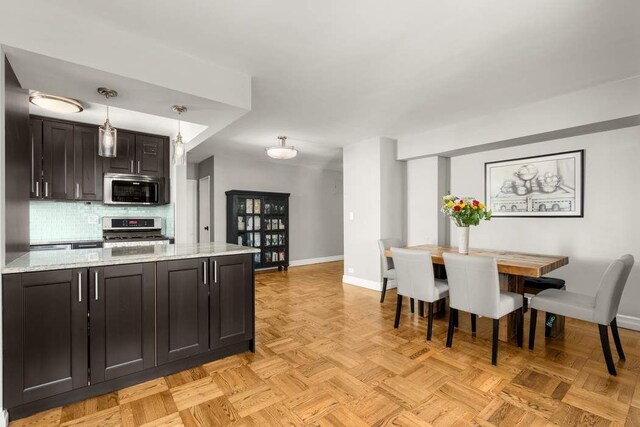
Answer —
122 189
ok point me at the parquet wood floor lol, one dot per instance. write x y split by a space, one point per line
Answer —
327 355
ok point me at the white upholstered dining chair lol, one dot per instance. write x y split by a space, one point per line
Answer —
474 287
414 275
388 270
601 308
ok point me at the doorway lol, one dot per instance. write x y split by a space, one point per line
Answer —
204 210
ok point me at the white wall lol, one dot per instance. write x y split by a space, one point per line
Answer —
362 199
375 193
315 204
609 227
393 176
422 201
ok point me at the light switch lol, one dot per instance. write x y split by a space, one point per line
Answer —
350 216
92 219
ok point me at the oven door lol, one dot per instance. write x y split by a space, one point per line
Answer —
122 189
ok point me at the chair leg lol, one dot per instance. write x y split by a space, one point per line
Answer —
421 308
616 338
452 314
520 316
412 305
384 289
532 328
494 345
473 323
430 322
398 310
455 319
606 349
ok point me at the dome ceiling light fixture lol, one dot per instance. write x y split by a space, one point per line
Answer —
107 134
57 104
179 151
282 152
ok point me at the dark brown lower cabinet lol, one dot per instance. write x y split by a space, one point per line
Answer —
74 334
45 334
231 300
122 307
182 308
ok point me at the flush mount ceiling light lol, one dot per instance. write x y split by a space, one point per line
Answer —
107 134
179 152
58 104
282 152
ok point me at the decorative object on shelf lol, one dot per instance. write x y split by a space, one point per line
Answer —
465 212
179 151
550 185
58 104
282 152
107 134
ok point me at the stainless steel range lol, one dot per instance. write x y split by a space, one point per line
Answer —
124 232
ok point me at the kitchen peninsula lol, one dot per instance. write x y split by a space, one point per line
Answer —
79 323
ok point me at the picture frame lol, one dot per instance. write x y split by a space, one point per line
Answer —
543 186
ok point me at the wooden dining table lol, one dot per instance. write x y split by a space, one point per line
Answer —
513 267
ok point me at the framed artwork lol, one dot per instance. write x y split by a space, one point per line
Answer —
540 186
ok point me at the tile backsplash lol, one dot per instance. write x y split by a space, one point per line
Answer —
58 220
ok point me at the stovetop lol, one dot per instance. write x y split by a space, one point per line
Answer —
110 236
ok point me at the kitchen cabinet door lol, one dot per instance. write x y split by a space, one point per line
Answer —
126 155
87 164
57 160
150 155
231 300
122 308
182 309
35 150
45 334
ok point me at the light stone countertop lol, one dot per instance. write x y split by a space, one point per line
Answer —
84 258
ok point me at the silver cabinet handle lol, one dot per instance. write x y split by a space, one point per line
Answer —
215 271
79 287
32 164
95 285
37 189
131 165
46 189
77 190
204 267
138 166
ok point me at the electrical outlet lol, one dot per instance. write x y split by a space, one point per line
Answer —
350 270
92 219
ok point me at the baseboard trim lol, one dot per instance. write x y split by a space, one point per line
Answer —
366 283
4 420
320 260
628 322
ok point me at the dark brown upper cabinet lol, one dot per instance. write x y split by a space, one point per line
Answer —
150 155
125 161
122 306
231 301
57 160
35 147
182 309
87 164
45 334
65 164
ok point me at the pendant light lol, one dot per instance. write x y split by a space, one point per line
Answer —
107 134
282 152
179 151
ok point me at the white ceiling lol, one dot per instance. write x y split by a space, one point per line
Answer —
334 71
